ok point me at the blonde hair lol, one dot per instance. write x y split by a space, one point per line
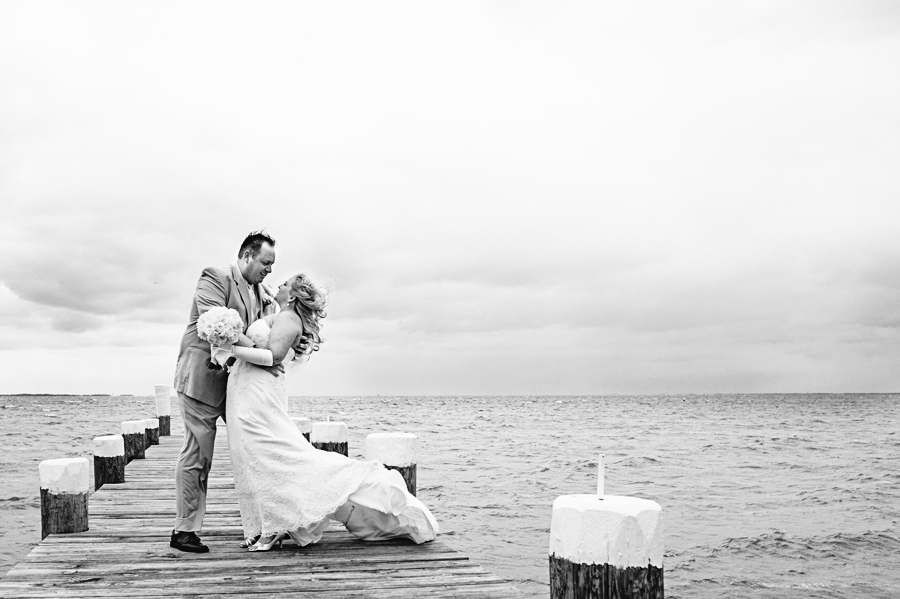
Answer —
308 301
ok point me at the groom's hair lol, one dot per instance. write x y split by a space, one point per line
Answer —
254 242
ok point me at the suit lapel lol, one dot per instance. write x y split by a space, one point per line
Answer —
244 290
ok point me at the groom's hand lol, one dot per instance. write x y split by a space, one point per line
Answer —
274 370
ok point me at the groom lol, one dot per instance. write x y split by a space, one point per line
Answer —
201 386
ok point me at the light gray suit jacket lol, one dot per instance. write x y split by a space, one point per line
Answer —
218 286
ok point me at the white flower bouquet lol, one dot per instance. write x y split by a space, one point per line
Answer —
220 326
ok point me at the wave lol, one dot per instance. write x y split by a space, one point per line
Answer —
20 503
812 548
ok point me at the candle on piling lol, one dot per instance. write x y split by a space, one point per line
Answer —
330 436
64 495
163 410
397 451
604 546
600 490
109 460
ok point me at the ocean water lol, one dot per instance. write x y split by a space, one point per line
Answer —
762 495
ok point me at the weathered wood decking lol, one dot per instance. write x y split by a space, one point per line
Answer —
126 552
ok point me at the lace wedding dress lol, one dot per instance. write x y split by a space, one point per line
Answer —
285 485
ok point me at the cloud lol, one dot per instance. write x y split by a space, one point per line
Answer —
74 323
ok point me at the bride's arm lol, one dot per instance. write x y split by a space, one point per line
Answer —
244 341
286 329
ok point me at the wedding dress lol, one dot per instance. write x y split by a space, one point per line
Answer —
285 485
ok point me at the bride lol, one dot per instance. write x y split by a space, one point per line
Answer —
285 486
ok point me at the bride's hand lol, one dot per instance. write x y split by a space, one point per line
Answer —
302 346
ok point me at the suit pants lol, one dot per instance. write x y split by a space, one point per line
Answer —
195 461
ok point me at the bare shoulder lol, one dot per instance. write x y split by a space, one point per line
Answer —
287 319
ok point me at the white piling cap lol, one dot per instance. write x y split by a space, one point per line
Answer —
151 423
65 475
131 427
304 424
162 401
328 432
109 446
620 531
392 449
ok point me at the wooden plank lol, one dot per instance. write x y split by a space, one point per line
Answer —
239 585
188 568
480 591
152 580
156 548
125 552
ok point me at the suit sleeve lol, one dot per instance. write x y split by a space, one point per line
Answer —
210 291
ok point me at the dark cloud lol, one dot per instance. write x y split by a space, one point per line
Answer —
112 258
102 274
71 322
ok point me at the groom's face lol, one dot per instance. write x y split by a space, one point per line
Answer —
257 268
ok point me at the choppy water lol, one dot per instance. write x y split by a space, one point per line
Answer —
762 495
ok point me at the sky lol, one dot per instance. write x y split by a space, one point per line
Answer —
500 197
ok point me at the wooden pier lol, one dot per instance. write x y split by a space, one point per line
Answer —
126 553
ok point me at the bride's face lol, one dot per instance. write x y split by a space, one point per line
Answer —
284 292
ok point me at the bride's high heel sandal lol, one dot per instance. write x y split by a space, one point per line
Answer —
249 541
266 543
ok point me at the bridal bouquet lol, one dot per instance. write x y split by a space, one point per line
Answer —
220 326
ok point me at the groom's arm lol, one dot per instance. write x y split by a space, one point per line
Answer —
210 291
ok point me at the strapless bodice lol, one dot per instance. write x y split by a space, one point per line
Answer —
258 332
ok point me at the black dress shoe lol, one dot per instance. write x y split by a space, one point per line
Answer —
187 541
